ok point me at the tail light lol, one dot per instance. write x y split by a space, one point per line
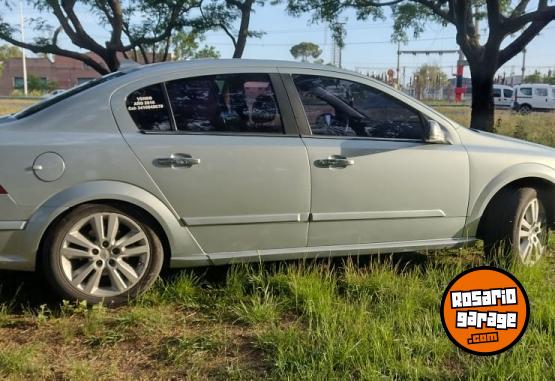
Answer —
2 190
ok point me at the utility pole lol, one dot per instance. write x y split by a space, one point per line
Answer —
523 65
398 61
22 49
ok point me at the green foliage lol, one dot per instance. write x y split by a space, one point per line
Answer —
35 83
430 77
304 50
6 52
537 77
186 46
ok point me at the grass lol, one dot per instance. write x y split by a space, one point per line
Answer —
8 106
349 318
538 127
360 318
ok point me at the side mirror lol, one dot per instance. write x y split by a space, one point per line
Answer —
435 134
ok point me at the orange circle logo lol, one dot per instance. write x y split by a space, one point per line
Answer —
485 310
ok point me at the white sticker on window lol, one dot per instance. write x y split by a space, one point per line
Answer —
145 103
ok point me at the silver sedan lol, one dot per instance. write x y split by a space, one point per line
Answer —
211 162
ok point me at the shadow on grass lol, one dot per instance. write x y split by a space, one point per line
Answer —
24 291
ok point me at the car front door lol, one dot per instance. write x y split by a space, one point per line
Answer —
374 180
225 152
497 97
507 97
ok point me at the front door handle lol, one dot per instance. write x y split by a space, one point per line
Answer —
334 161
177 160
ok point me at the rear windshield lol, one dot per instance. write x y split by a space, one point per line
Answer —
66 94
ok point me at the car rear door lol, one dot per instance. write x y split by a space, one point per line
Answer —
541 97
223 147
374 182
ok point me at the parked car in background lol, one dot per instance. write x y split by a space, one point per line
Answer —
502 96
53 93
211 162
529 97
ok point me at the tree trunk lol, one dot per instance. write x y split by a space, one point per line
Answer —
243 29
482 97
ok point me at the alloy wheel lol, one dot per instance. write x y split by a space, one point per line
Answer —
105 254
532 233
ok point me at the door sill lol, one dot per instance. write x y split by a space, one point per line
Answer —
336 250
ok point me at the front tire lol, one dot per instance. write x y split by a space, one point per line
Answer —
99 253
515 226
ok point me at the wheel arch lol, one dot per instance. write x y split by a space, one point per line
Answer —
539 177
178 240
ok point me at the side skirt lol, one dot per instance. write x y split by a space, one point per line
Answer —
320 252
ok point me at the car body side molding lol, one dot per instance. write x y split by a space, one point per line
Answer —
378 215
337 250
12 225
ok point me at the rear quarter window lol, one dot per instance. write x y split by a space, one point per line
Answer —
540 92
148 108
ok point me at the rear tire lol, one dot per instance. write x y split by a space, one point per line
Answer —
102 254
525 109
515 226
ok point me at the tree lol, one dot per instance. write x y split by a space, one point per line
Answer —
224 15
42 85
7 52
504 18
186 46
132 25
430 78
305 50
536 77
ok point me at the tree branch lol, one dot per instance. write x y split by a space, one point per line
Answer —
437 10
54 49
494 14
520 43
219 24
363 3
544 13
83 37
520 8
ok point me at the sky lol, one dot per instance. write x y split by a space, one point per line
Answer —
368 43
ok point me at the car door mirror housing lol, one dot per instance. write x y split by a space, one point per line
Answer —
434 133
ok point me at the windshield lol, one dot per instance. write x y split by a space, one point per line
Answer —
66 94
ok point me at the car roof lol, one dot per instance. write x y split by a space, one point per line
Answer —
239 63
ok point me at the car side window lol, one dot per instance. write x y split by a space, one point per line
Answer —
242 103
507 93
526 91
148 108
496 93
339 107
540 92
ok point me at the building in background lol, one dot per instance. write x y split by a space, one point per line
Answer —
65 72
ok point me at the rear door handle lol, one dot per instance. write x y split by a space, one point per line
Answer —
177 160
334 161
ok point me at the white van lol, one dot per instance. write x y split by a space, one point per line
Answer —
502 96
528 97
